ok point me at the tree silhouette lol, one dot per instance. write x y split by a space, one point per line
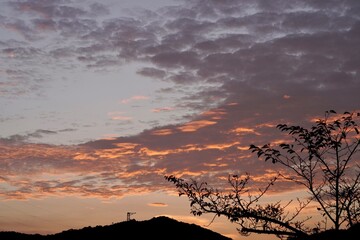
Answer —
323 159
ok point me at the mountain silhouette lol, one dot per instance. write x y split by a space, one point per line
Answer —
160 228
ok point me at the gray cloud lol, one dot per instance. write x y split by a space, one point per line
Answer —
40 133
275 46
47 9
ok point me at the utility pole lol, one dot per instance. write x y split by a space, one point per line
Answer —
128 215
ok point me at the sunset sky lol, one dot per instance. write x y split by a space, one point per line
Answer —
100 99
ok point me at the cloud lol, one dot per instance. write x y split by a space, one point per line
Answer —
195 125
157 204
47 9
28 136
134 98
162 132
120 116
152 72
117 167
235 45
122 166
20 27
170 60
239 67
99 9
163 109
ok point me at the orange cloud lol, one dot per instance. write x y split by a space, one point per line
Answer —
186 172
122 149
221 146
162 132
163 109
157 204
269 174
267 125
196 125
243 148
34 151
84 156
198 147
148 152
215 114
243 130
142 172
216 164
126 145
186 148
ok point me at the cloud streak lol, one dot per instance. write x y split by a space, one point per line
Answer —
134 98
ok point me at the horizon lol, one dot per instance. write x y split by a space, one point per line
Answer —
152 226
99 101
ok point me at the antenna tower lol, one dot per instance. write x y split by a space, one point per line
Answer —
128 215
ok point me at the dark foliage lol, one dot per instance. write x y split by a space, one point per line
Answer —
352 233
241 207
323 159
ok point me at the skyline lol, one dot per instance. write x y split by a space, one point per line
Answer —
100 100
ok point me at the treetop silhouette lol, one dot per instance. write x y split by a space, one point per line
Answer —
323 159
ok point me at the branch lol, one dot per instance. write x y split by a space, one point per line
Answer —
274 232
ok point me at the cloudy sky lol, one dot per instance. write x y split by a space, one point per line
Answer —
101 99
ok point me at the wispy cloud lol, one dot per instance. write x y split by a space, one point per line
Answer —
40 133
157 204
195 125
163 109
133 99
119 116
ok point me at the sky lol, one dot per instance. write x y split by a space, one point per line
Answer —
100 99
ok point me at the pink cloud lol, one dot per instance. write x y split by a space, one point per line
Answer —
286 96
119 116
134 98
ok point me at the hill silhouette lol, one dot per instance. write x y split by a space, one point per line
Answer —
160 228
